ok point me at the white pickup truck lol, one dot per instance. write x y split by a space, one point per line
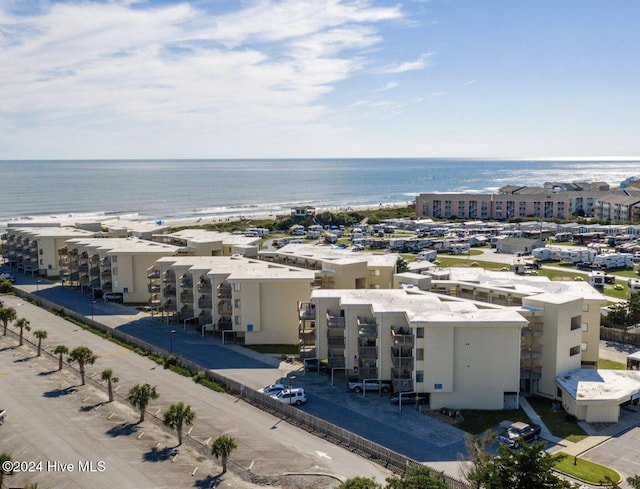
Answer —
370 385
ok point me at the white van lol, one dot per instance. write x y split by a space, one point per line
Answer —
291 396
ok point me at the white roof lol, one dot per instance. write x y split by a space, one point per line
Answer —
600 385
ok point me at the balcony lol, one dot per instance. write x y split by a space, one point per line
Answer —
336 342
368 351
186 281
225 308
367 372
307 352
154 301
204 286
223 291
170 306
187 311
169 292
401 339
306 311
402 385
532 330
334 321
403 362
169 277
153 273
205 303
307 334
534 351
186 296
153 288
205 318
530 373
224 324
336 361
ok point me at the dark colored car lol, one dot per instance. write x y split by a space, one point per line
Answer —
517 433
410 398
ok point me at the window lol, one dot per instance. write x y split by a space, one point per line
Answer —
585 327
419 332
114 259
236 303
583 346
114 270
236 287
420 354
585 307
574 350
236 320
437 387
419 376
576 322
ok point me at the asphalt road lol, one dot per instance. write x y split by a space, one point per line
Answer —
266 445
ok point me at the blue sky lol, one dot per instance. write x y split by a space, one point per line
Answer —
319 78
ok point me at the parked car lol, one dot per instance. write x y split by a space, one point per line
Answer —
113 297
272 389
410 398
295 396
370 385
9 277
519 432
315 365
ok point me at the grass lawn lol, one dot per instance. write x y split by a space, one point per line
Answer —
611 365
477 421
559 422
585 470
446 261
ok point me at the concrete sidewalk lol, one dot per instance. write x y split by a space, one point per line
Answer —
535 418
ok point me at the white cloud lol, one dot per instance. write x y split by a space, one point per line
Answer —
419 64
389 86
109 65
437 94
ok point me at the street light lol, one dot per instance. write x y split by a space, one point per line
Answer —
37 286
291 379
171 333
93 303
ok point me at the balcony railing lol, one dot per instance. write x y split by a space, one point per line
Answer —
336 361
402 385
403 362
153 273
307 313
225 308
336 342
368 352
204 287
169 277
530 373
169 292
224 291
225 324
531 352
186 296
534 330
367 372
336 322
205 318
153 288
205 303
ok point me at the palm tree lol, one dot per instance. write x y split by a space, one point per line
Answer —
41 334
178 415
7 314
4 470
222 448
140 395
60 350
84 356
107 374
22 324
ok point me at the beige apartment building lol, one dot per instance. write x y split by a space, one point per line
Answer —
423 337
35 249
111 265
338 268
514 202
200 242
247 298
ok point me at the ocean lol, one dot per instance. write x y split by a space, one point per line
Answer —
174 190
